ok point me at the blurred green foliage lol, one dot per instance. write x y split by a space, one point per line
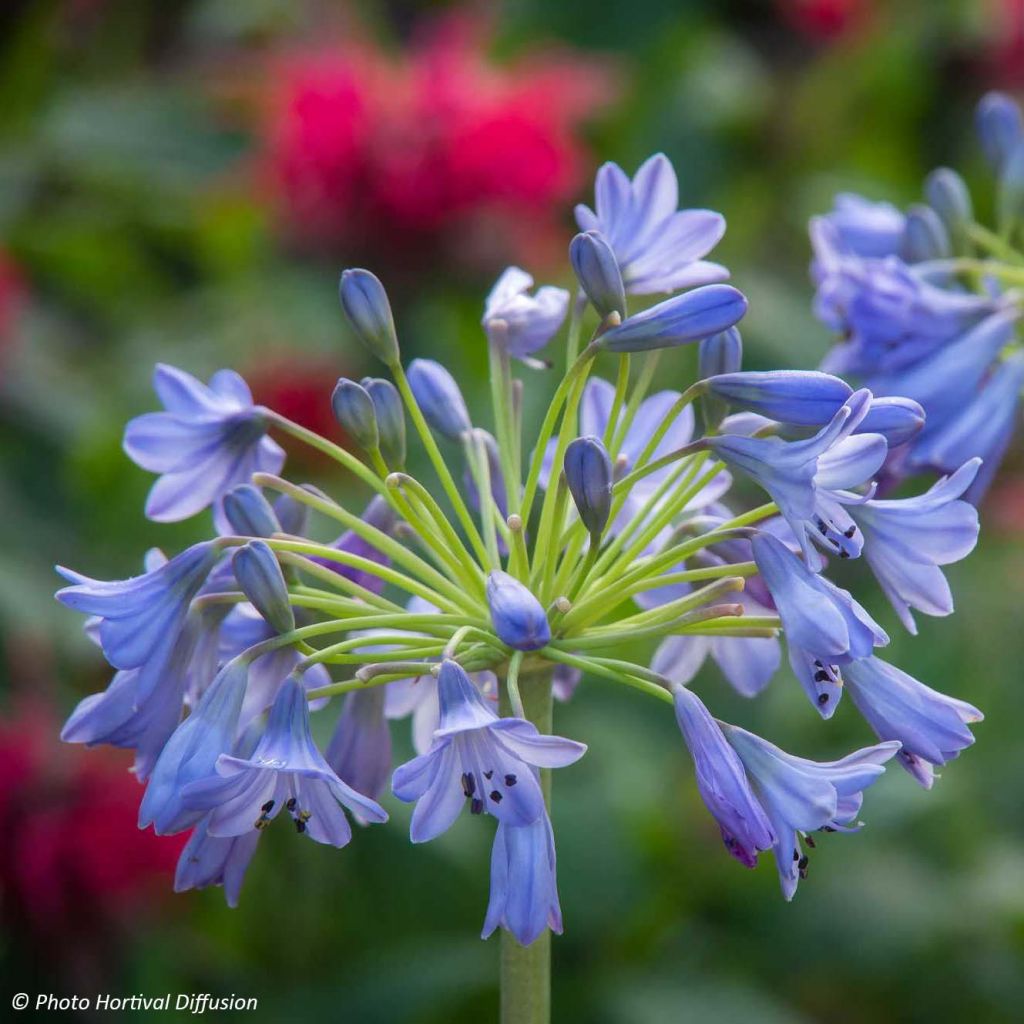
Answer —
123 202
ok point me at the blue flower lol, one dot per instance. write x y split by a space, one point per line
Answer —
249 513
518 617
520 323
390 413
141 617
478 757
824 626
895 418
524 888
805 484
684 318
803 796
598 273
588 474
285 770
209 439
931 726
215 860
192 752
366 305
360 748
1000 127
723 784
659 247
859 227
907 539
259 577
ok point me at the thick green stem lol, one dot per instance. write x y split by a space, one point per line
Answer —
526 970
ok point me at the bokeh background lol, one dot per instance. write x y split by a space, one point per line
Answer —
182 180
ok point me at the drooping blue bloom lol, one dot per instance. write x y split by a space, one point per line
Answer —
524 887
380 515
249 513
684 318
215 860
907 539
142 616
210 438
366 305
802 397
477 757
192 752
259 577
932 727
355 412
598 273
722 782
824 626
803 796
519 323
1000 127
518 617
390 413
588 474
983 429
659 248
360 748
803 483
439 398
285 770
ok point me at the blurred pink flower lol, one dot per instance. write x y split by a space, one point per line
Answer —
826 20
363 146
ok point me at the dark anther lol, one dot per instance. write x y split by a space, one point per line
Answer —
796 855
510 780
468 783
821 676
818 664
844 554
267 807
802 863
827 828
495 796
850 532
810 841
823 699
291 804
822 528
489 775
300 826
476 806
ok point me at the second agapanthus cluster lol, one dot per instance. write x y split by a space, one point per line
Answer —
927 304
542 553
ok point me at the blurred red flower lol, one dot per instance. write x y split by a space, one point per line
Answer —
434 149
825 20
73 858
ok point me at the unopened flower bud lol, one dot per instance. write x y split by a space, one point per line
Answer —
948 196
924 236
355 413
803 397
518 617
588 473
691 316
1000 127
1010 194
387 404
293 515
721 353
439 398
366 305
598 272
249 513
259 576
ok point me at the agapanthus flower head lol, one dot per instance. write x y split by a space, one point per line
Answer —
659 247
547 559
210 438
